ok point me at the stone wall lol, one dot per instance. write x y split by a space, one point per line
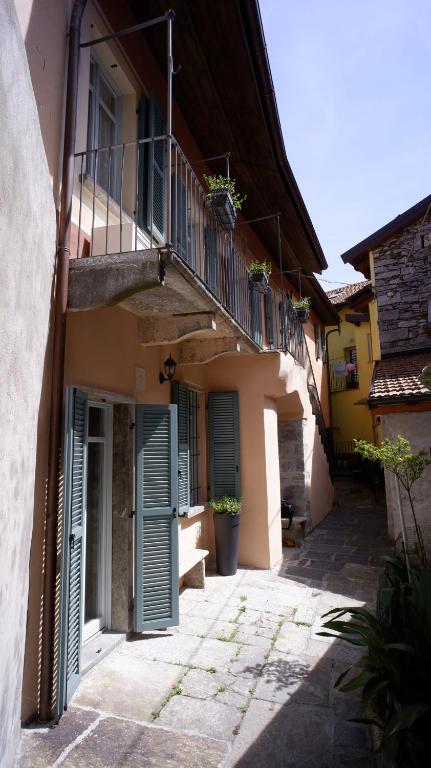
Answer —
27 245
417 428
293 481
403 286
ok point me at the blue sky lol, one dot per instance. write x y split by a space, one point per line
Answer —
352 79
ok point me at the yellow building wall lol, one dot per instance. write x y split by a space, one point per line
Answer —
350 420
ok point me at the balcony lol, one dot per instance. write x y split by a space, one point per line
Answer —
194 287
339 377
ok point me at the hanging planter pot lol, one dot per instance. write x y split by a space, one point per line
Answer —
223 208
259 275
302 308
223 200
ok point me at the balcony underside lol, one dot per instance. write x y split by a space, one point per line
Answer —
172 303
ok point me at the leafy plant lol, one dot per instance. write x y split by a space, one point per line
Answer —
227 505
219 183
407 467
260 266
303 303
394 673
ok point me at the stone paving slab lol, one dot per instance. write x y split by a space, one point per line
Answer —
40 747
183 713
116 742
126 685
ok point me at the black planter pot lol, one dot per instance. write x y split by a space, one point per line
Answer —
223 208
260 281
227 540
302 314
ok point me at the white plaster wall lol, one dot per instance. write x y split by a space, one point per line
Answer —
417 428
27 249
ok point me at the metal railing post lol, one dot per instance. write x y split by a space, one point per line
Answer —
170 69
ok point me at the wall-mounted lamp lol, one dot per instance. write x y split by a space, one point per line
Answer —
169 366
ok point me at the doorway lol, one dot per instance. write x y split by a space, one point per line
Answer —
96 613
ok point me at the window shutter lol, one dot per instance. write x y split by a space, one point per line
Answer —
269 318
283 325
156 532
75 460
256 315
151 169
317 340
323 344
223 436
211 276
180 396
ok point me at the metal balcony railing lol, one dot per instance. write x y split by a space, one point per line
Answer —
121 205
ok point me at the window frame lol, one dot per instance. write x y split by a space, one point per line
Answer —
95 103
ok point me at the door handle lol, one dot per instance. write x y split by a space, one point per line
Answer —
72 540
174 513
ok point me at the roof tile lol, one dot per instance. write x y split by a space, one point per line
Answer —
340 295
397 379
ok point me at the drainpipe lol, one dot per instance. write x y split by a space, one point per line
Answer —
57 380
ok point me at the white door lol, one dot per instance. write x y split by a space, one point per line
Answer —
98 522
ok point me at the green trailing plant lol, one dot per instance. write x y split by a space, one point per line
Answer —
227 505
302 303
223 183
394 672
407 467
260 266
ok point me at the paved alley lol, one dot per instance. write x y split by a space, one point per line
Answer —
244 681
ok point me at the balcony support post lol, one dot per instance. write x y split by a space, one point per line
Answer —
169 78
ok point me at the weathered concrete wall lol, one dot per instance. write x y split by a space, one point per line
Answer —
417 428
27 245
403 285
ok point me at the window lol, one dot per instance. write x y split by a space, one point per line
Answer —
188 404
193 448
352 379
102 129
317 341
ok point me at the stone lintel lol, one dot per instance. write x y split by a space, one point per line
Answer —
204 351
173 328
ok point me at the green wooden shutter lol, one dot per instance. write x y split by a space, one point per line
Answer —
211 260
256 315
151 169
156 532
180 396
269 318
223 436
75 461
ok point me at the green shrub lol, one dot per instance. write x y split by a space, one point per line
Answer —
227 505
394 674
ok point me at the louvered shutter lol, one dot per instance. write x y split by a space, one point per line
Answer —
317 340
256 315
75 460
180 396
179 217
283 325
211 263
269 318
223 437
156 532
151 169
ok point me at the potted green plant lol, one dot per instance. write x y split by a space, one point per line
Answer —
302 307
224 200
260 272
226 513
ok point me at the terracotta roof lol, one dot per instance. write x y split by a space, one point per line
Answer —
396 379
341 295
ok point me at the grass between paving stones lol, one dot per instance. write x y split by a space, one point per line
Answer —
176 690
274 638
302 623
228 638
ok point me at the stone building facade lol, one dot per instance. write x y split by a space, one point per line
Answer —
397 258
402 270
